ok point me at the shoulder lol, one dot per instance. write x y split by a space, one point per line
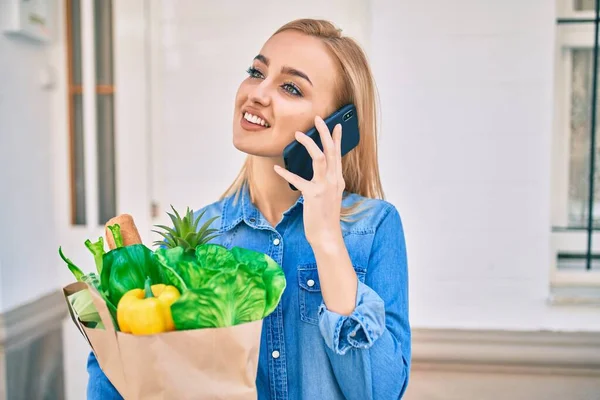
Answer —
369 214
373 231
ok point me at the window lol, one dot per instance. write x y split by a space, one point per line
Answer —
576 168
91 110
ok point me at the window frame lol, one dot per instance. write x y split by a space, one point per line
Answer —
574 29
90 89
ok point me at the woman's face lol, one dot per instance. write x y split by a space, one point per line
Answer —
289 83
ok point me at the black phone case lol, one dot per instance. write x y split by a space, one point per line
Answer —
296 157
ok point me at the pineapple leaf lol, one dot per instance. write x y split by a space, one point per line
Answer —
176 222
191 237
185 232
208 238
163 234
208 232
166 228
197 221
169 241
183 243
176 213
204 227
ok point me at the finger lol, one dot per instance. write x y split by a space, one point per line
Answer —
337 140
326 140
319 163
300 183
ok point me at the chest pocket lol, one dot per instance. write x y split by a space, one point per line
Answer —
309 291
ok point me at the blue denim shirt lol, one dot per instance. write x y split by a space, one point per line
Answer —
307 351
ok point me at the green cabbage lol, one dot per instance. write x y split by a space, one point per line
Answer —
221 287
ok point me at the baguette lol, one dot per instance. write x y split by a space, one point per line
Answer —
129 231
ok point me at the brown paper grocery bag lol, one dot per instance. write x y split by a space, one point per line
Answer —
103 343
210 363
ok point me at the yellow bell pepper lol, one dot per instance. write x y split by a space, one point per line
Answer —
147 311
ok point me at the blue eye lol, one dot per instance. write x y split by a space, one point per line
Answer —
254 73
292 89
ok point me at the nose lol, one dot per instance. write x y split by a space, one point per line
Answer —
260 94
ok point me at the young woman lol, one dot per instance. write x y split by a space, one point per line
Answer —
341 330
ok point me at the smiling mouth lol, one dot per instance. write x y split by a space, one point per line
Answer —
256 120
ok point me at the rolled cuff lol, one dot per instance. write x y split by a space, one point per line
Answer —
358 330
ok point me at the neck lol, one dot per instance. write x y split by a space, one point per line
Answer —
271 194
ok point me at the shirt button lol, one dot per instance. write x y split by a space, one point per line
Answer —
275 354
276 241
310 283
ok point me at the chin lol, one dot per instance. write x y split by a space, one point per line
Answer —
255 146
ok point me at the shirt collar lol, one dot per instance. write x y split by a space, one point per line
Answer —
238 207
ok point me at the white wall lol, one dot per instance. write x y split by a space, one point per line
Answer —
27 228
466 92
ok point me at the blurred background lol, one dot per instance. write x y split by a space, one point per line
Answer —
488 121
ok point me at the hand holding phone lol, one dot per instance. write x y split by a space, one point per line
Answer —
296 157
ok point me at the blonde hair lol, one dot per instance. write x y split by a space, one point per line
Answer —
356 85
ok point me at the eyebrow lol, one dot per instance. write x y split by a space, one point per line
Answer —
285 70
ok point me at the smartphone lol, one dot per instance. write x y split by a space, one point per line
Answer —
295 155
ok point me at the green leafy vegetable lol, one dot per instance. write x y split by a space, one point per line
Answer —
224 287
215 257
116 232
97 249
182 269
220 287
78 273
271 272
275 283
171 271
93 280
230 298
84 308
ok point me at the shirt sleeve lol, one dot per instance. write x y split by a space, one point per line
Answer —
370 350
360 329
99 387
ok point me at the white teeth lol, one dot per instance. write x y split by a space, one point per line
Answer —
255 119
